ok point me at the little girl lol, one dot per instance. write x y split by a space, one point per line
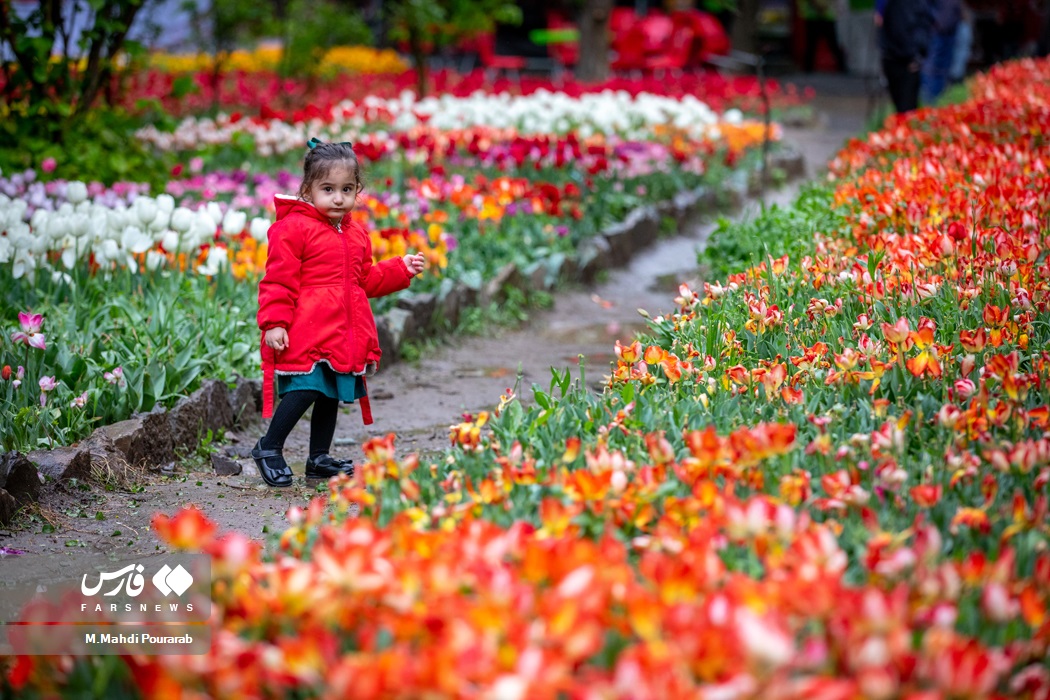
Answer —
319 335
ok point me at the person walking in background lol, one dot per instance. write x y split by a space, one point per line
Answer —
947 15
819 18
963 46
905 27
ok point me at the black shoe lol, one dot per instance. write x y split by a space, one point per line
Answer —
274 470
325 467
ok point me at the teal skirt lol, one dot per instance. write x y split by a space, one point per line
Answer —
335 385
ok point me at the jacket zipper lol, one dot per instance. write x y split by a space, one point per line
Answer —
346 290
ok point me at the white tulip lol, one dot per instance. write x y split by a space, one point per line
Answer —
39 219
24 266
58 275
155 259
161 221
135 241
76 192
145 210
69 257
107 250
217 260
215 212
6 249
57 228
170 241
234 222
259 229
182 220
118 218
165 203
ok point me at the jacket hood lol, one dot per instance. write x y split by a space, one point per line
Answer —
287 204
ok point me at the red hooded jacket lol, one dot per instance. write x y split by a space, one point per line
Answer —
317 283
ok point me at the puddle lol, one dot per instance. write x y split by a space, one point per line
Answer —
595 333
595 359
669 283
476 372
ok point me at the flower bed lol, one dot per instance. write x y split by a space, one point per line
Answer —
822 476
473 200
264 93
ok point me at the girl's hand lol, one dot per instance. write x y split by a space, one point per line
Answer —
276 338
414 263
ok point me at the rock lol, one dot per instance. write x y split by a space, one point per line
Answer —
217 414
19 477
387 346
249 469
8 507
193 416
62 463
422 307
454 302
238 451
401 328
143 439
538 276
242 403
594 255
224 466
494 290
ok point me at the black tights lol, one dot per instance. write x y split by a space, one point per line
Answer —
291 408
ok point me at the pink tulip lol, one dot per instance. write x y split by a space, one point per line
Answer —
48 165
30 323
80 401
46 384
115 377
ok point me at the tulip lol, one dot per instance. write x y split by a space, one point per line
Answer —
234 222
80 401
46 384
48 165
5 373
145 209
181 221
76 192
114 377
259 228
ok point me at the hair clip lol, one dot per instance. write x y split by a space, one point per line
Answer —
314 143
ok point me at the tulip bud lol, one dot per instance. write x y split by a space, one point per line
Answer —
165 203
76 192
5 373
234 221
181 221
966 365
964 388
145 210
215 212
259 228
618 481
154 259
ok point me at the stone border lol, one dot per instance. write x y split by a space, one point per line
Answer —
150 440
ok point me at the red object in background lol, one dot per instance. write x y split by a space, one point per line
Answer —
564 53
709 36
494 61
621 19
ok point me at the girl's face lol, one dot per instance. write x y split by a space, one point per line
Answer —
335 193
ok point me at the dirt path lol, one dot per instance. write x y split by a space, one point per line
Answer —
418 400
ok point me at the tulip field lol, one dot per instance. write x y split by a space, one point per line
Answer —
161 284
824 475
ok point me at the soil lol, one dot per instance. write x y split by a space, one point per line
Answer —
416 400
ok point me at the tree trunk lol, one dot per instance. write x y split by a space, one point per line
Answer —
593 63
745 28
419 56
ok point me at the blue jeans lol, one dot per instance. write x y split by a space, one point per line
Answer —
938 64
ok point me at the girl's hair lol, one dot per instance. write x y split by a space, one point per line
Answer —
320 159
